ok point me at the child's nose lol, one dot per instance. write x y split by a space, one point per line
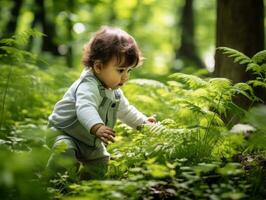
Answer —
125 77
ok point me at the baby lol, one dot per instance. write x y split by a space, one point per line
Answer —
87 113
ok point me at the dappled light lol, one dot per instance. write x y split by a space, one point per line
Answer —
132 99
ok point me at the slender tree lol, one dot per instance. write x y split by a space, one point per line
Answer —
69 24
187 50
13 19
48 27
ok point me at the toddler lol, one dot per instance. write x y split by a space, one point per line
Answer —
87 113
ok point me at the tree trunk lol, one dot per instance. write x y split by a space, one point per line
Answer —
239 26
12 23
70 39
187 51
48 28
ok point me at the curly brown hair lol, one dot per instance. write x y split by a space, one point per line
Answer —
111 42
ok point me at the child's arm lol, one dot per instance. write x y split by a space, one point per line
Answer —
130 115
87 102
88 99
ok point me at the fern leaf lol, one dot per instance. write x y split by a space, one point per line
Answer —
257 83
7 41
216 120
263 69
18 55
21 39
156 128
259 57
219 84
237 110
241 88
237 55
254 67
189 80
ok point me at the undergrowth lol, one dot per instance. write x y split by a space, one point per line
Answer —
191 153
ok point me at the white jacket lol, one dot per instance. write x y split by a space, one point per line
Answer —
83 102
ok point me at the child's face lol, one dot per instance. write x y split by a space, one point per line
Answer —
112 75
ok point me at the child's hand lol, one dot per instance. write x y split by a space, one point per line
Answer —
105 134
150 120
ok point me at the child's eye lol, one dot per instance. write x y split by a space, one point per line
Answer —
129 70
121 71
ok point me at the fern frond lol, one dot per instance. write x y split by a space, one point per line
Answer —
237 110
259 57
263 68
216 120
21 39
254 67
257 83
219 84
174 84
189 80
7 41
12 48
16 55
241 88
237 55
155 128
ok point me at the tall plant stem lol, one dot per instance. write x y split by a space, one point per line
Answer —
4 98
209 125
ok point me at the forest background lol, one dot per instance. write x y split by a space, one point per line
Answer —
41 46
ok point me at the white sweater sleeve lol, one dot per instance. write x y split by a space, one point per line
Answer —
87 102
129 114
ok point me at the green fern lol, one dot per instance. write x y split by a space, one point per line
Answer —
21 39
11 49
255 68
256 83
259 57
237 55
244 89
189 80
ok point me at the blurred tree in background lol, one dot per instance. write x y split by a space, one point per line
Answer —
162 29
187 50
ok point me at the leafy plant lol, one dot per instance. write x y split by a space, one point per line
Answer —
256 65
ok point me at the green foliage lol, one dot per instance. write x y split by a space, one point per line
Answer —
238 56
11 49
27 94
21 168
256 65
189 154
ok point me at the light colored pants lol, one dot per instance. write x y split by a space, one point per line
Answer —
78 158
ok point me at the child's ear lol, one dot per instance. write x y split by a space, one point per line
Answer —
97 66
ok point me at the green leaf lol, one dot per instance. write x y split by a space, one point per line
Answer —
259 57
237 55
189 80
231 169
254 67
